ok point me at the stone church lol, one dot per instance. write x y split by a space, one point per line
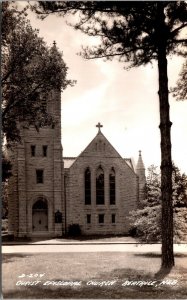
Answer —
49 192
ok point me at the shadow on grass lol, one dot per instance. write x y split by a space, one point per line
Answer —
151 254
9 258
11 240
94 237
95 291
162 273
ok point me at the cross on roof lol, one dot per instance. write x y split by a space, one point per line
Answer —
54 43
99 126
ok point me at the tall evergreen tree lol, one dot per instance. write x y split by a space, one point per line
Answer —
137 33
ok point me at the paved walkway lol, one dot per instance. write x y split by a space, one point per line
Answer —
56 241
60 245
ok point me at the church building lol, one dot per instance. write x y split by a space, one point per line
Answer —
49 192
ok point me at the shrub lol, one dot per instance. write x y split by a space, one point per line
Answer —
4 225
74 230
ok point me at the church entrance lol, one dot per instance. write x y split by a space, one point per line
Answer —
40 215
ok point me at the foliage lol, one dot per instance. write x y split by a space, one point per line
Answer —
4 227
6 174
180 91
129 31
74 230
6 168
30 71
4 197
147 219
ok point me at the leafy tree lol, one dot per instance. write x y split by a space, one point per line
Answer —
147 219
6 168
4 197
6 174
30 70
137 33
180 91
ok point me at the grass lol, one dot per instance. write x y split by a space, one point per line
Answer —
98 267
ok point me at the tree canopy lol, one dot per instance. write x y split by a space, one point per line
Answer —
30 70
129 31
180 91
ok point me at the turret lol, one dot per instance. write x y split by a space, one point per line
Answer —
140 171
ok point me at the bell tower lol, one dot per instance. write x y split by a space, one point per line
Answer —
36 202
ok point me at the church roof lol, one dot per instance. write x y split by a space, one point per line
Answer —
68 161
98 147
129 162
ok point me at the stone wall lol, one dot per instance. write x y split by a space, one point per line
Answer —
24 190
126 191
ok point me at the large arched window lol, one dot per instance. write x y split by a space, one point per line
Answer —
100 191
112 185
87 186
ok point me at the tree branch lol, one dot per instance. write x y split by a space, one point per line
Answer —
178 28
178 41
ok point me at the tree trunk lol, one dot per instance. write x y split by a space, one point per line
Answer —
166 161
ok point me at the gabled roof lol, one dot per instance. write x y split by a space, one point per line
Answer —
98 147
129 162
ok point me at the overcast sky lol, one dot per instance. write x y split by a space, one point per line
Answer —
125 102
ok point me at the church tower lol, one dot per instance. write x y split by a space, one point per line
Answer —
36 204
140 171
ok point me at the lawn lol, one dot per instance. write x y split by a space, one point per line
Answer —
102 275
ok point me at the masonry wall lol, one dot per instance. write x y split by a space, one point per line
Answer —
126 192
24 190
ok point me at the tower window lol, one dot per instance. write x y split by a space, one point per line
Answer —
101 218
113 218
39 176
112 187
100 195
33 150
87 186
88 219
45 151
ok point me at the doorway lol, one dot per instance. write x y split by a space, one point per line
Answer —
40 215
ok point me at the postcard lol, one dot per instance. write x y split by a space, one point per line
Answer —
94 184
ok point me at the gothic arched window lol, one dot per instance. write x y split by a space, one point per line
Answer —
100 191
112 185
87 184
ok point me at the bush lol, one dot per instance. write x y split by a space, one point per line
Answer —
135 232
74 230
146 220
4 225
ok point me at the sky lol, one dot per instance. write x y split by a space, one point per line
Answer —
125 102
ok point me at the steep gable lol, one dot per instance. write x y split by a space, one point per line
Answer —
100 147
